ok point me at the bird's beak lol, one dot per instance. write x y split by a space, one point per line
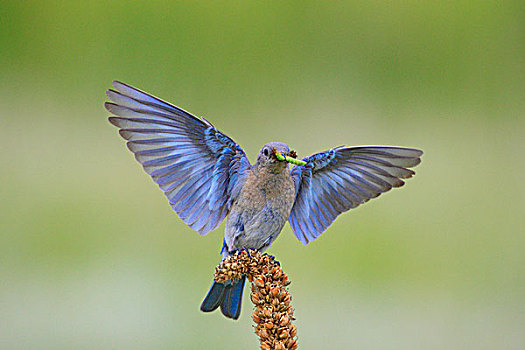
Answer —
288 159
279 156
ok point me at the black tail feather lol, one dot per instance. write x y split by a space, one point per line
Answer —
227 295
214 297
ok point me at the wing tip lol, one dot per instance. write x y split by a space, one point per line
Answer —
416 151
203 232
117 83
410 173
399 184
114 121
112 94
110 106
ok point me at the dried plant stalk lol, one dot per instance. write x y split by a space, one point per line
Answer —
273 314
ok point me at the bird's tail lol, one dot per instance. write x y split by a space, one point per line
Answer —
227 295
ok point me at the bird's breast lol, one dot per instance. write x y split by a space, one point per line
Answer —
273 191
261 210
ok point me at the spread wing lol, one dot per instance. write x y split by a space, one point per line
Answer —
342 178
199 168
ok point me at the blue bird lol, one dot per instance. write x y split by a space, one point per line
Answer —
207 177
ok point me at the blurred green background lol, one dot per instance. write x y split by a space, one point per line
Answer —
92 257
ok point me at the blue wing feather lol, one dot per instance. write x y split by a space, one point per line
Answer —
343 178
200 169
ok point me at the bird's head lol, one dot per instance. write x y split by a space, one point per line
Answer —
273 156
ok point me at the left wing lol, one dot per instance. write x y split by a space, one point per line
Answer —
199 168
342 178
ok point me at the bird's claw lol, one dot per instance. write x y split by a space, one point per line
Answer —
273 259
240 250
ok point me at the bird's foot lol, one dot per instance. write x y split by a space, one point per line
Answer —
238 251
272 258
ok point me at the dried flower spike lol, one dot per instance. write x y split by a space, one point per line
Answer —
273 312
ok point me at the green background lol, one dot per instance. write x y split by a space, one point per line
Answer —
92 257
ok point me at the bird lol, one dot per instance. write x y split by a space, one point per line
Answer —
207 177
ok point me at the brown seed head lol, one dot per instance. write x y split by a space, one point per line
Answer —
273 312
265 346
280 346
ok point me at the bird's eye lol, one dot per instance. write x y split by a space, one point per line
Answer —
265 151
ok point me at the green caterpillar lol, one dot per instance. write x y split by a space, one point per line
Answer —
280 157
